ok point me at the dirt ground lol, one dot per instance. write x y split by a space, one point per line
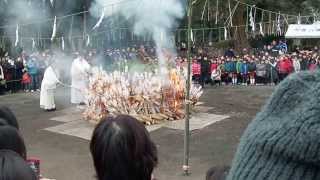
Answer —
67 158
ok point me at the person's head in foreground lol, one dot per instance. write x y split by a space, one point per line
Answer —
14 167
7 117
11 139
283 141
122 150
217 173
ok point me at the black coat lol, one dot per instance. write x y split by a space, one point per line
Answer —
252 67
205 67
272 73
304 64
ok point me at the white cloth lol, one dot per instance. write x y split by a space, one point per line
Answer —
216 75
296 65
48 86
1 73
79 76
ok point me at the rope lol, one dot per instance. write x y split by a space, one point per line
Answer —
217 12
230 11
231 15
204 9
273 12
179 29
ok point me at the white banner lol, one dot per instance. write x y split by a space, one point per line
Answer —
303 31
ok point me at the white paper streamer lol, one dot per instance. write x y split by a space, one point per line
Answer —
100 20
261 29
33 44
204 9
191 36
161 36
62 43
54 31
52 2
252 23
225 33
17 36
279 25
88 40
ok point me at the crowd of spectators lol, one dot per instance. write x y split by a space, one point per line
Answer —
22 73
25 72
267 66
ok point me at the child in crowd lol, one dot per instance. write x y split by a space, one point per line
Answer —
238 67
216 76
33 71
244 72
215 73
196 71
234 71
26 81
222 68
228 69
261 72
252 71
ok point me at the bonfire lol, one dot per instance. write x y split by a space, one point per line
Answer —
150 97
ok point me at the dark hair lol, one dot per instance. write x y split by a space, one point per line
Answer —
217 173
7 117
3 122
122 150
11 139
14 167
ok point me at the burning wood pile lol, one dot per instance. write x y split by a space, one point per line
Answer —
149 97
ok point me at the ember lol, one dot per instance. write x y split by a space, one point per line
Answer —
149 97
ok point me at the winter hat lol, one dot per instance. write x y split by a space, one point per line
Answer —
283 141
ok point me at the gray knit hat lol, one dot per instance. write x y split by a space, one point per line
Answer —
283 141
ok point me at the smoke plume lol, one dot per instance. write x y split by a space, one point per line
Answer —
155 17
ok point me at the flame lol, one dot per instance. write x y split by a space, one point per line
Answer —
146 96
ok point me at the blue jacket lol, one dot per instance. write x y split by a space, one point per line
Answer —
283 47
234 66
228 66
244 68
32 67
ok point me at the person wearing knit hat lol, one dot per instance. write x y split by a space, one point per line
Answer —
283 141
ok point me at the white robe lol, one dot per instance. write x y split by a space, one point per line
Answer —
48 86
79 76
1 73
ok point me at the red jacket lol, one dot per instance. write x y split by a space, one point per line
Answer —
313 67
26 79
196 68
285 66
213 67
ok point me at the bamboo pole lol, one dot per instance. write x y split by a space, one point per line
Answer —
186 167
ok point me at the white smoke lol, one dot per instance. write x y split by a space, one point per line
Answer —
156 17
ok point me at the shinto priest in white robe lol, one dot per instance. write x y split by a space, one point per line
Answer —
48 86
80 79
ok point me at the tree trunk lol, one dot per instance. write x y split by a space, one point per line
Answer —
239 34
